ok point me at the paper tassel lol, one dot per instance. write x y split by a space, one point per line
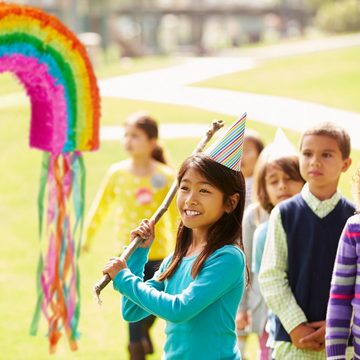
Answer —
62 180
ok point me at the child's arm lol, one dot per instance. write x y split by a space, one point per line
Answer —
342 292
248 231
216 278
273 279
130 310
136 264
258 247
99 209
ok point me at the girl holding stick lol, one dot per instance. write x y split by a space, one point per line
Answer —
137 186
196 289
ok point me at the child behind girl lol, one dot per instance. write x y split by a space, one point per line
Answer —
196 289
279 180
253 147
343 314
277 177
137 186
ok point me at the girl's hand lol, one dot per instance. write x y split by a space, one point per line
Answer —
146 231
113 266
242 319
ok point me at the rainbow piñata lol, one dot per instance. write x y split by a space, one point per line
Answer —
55 70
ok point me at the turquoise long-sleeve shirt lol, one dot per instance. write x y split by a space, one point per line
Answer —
200 313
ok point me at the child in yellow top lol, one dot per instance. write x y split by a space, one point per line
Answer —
137 186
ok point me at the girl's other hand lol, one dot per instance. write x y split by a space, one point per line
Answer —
242 319
113 266
146 231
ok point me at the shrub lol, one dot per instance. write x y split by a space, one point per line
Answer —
339 16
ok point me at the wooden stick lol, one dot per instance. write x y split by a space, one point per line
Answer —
105 280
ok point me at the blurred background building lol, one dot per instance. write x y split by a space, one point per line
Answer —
200 27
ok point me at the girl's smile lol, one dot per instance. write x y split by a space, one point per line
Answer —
191 213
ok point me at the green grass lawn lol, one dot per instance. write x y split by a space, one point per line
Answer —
103 332
127 66
331 78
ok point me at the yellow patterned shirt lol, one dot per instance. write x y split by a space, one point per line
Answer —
135 198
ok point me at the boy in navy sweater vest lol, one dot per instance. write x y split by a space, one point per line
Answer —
301 245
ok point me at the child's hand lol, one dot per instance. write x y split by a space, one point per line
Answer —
318 335
146 231
301 332
85 249
242 319
113 266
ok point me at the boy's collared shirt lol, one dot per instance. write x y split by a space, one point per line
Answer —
273 280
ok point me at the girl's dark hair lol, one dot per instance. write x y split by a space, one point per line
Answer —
149 125
227 230
288 164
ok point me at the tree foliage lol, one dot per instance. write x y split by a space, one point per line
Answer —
339 16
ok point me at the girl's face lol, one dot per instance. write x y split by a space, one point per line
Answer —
279 186
200 203
250 155
137 143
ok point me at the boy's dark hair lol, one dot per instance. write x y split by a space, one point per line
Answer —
334 131
227 230
288 164
253 136
149 125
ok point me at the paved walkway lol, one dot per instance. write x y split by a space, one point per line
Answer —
167 131
171 86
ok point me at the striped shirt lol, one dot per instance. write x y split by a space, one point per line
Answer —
344 302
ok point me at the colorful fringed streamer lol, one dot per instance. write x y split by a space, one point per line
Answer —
62 180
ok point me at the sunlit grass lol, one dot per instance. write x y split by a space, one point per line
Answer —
103 333
331 78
